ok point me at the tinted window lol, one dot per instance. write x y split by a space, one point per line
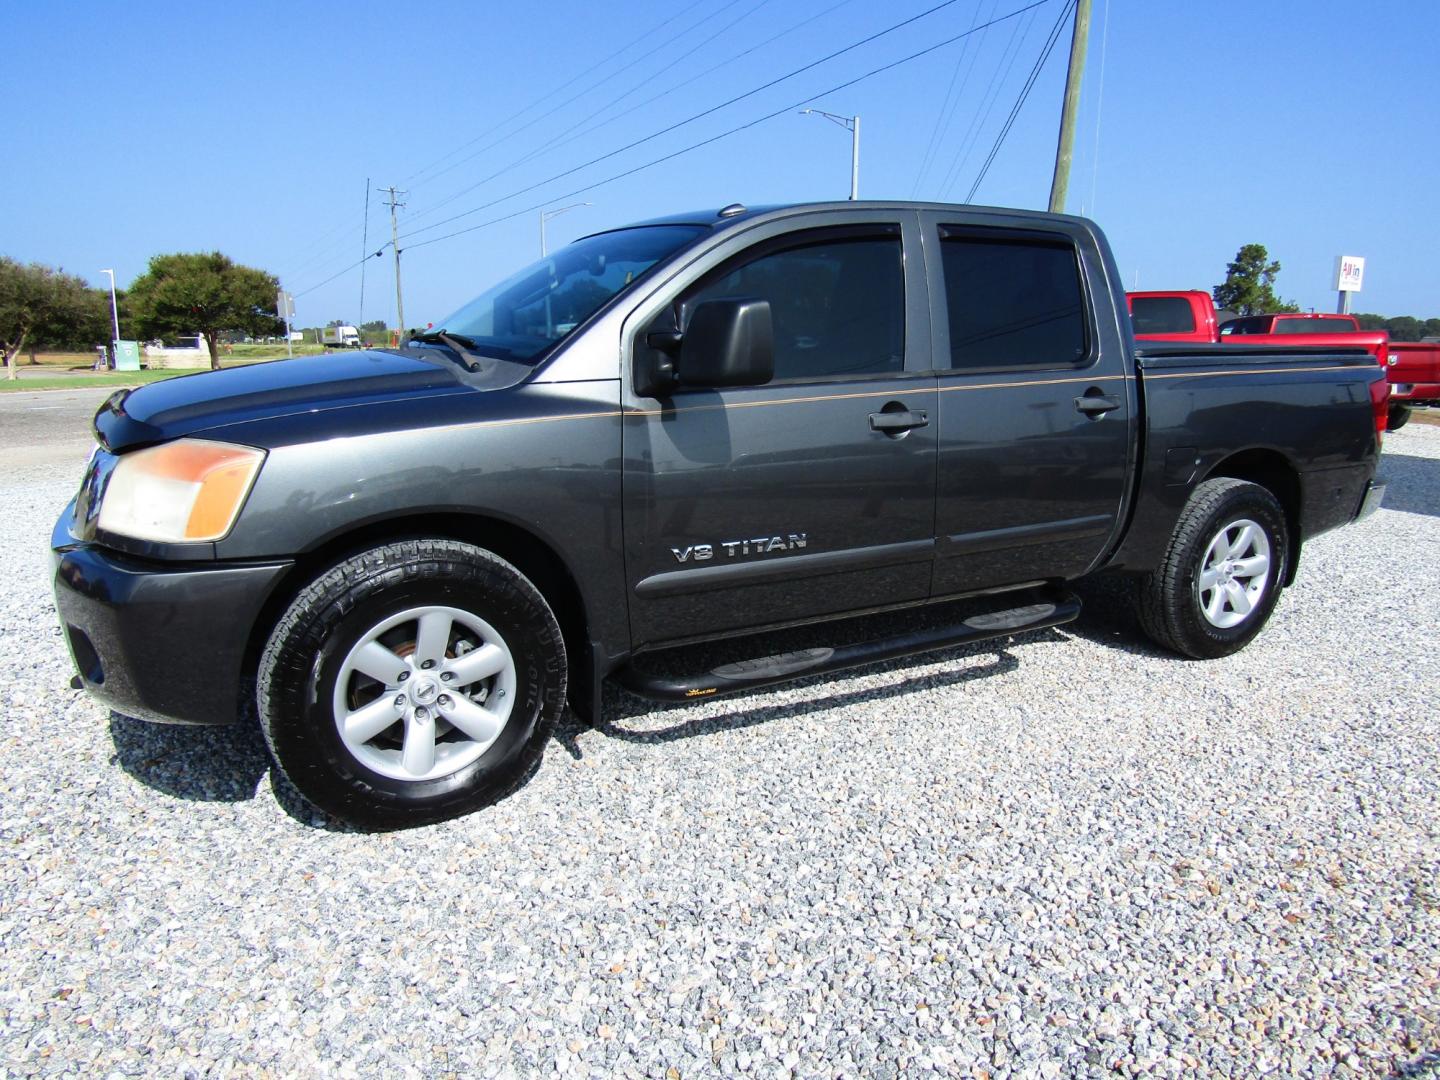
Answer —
1314 326
1162 315
528 313
1246 326
1013 303
838 307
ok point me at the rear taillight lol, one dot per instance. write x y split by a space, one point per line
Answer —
1380 406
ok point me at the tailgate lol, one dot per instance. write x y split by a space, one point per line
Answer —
1413 370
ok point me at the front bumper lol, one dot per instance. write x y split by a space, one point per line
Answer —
157 642
1374 496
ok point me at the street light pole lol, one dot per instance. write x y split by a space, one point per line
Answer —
852 125
546 215
114 308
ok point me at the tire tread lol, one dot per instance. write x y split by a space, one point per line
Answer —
1162 593
304 627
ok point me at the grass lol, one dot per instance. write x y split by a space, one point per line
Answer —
268 352
80 382
74 371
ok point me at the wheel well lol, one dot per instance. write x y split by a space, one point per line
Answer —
525 551
1272 471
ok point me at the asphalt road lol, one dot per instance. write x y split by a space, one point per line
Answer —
49 425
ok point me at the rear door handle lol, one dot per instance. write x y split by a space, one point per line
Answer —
1096 404
894 423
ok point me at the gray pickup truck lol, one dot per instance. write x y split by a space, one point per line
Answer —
698 427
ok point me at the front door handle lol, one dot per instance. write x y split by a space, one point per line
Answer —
897 423
1096 404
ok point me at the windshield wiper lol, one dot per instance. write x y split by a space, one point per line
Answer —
462 346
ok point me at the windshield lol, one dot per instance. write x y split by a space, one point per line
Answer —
524 316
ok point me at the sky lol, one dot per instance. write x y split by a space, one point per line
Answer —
259 129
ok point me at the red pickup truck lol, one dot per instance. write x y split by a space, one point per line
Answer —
1413 370
1290 322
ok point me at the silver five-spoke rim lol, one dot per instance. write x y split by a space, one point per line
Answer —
1234 574
424 693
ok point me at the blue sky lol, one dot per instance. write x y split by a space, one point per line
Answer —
139 129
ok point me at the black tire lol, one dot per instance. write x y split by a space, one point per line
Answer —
312 644
1398 418
1169 599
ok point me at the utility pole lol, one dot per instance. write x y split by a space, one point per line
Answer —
1078 41
395 243
365 248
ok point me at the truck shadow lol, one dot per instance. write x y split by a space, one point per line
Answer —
623 709
1414 484
208 764
199 764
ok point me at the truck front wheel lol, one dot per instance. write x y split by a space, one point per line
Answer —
1222 573
411 683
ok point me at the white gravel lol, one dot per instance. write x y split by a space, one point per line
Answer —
1066 856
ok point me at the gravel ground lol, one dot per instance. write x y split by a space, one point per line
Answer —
1065 855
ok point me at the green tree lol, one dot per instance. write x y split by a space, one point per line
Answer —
81 322
205 293
1400 327
42 305
374 328
1249 285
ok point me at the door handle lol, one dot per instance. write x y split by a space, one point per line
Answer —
897 423
1096 405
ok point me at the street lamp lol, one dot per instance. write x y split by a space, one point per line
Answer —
114 309
852 125
546 215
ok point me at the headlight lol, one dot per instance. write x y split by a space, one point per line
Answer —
187 491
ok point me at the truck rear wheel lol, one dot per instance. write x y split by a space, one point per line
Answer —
411 683
1399 417
1222 573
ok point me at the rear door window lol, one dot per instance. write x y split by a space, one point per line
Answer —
1013 302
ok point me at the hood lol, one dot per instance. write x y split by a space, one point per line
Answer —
191 403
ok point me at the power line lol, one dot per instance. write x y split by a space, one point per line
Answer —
1024 94
710 70
946 111
700 115
556 141
340 273
684 150
726 134
329 245
1099 106
1019 34
574 97
559 89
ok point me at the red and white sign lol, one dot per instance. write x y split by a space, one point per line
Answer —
1349 272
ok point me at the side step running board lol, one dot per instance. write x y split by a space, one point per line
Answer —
1045 609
